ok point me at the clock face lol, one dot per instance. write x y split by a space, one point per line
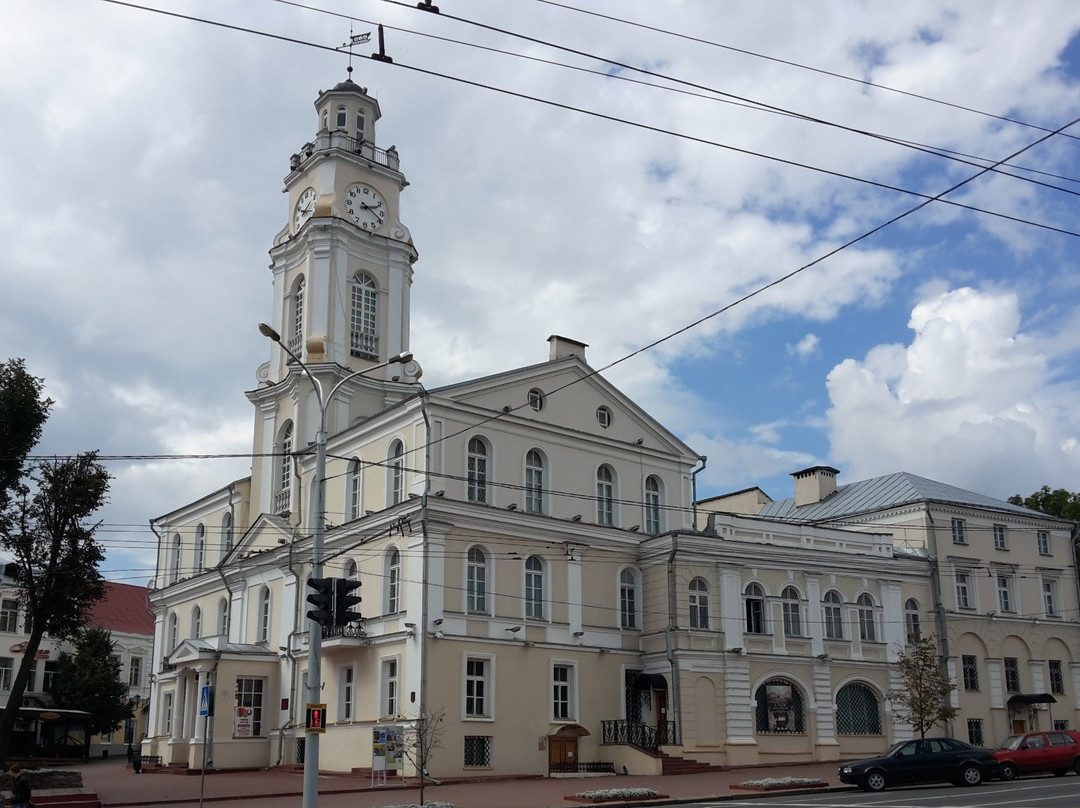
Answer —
366 207
305 207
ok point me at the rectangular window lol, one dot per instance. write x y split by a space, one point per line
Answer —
31 680
390 687
1012 675
1057 678
1050 599
562 693
7 670
346 709
1005 593
478 750
9 615
755 616
963 590
534 589
1061 723
970 667
1044 542
166 713
135 672
476 688
959 531
1001 539
975 731
249 695
48 681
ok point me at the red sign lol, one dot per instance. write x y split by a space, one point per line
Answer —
20 648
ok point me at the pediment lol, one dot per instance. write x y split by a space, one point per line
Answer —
267 532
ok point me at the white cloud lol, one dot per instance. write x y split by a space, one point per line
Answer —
806 347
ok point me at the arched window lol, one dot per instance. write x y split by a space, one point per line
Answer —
534 482
296 318
628 599
858 711
395 473
792 612
174 573
867 625
223 617
196 622
282 501
699 603
226 535
351 570
534 588
476 580
654 501
354 486
360 124
200 548
365 317
342 118
605 495
779 707
264 615
174 632
754 604
834 615
393 581
912 623
477 470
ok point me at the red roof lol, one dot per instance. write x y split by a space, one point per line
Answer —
123 609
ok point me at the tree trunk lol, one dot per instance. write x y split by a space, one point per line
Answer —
18 687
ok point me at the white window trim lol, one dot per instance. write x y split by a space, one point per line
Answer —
489 581
489 688
572 706
384 684
545 584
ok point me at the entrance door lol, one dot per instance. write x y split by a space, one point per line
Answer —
660 711
562 754
1019 726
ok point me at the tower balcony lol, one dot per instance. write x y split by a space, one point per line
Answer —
341 140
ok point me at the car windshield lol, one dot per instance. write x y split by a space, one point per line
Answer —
1012 742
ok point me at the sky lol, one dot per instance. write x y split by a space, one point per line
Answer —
773 223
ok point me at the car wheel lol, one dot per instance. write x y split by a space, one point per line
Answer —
971 775
1007 771
1060 772
875 781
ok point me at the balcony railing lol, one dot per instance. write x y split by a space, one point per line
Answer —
636 734
364 345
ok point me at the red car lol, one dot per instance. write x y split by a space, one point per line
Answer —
1054 751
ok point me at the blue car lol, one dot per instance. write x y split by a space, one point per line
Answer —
923 760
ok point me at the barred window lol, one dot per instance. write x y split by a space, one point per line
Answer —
975 731
970 667
1012 675
1061 723
779 707
1057 679
857 710
478 750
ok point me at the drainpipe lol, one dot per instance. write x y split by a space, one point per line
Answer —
288 652
424 586
157 561
693 487
939 608
672 624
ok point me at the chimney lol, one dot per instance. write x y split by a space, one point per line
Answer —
814 484
563 348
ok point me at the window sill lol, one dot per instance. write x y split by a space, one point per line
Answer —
479 719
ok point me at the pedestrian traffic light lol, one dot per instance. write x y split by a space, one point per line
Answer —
343 602
323 601
316 718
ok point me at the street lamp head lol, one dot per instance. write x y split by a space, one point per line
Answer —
269 333
401 359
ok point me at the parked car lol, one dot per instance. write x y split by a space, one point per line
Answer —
924 760
1054 751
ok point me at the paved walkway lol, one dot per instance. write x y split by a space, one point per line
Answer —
117 785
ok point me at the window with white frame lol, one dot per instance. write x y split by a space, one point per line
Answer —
174 632
166 713
1057 677
393 581
628 599
196 622
536 399
959 531
200 548
534 588
1043 539
342 119
391 706
135 668
296 318
1012 674
699 603
7 672
654 505
477 470
395 473
534 482
249 695
360 124
1006 601
282 501
963 590
867 623
226 534
1050 597
792 610
1001 538
605 495
346 694
754 606
603 416
223 617
476 575
912 621
9 615
364 339
563 697
174 575
354 490
834 615
263 633
477 687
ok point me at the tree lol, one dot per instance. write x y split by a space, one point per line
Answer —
45 510
923 702
1060 503
422 738
89 680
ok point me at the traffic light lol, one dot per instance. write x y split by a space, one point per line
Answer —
323 601
343 602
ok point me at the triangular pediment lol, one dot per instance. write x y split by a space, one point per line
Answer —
267 532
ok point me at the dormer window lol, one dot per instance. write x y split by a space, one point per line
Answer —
342 118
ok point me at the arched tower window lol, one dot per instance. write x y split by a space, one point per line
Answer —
354 486
477 471
296 318
534 482
282 502
226 535
264 615
174 632
654 501
395 473
174 573
200 548
342 118
605 495
196 622
223 617
393 581
365 317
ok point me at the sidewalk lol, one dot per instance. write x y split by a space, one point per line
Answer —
117 785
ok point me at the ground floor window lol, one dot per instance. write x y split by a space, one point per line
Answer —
478 750
780 707
249 708
975 731
1061 723
857 710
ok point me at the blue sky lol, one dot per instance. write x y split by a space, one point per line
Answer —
140 188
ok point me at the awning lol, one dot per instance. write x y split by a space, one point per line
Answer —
650 681
1031 698
568 731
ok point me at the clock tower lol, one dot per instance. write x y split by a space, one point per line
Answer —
342 275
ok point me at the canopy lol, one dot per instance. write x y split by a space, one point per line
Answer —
1032 698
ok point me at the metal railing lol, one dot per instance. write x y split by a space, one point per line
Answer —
636 734
582 767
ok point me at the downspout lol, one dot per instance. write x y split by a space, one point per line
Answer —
672 624
939 608
424 572
693 487
157 561
289 655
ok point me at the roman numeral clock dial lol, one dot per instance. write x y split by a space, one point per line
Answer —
366 207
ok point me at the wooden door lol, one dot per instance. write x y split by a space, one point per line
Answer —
1019 726
561 751
660 711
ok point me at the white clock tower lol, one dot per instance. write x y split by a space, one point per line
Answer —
342 274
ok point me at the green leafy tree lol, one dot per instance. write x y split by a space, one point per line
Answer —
45 528
1060 503
89 679
923 701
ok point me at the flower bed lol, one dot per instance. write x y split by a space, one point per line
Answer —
778 783
613 794
425 805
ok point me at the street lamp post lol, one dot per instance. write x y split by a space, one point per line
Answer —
318 509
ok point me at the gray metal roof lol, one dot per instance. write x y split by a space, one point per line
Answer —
890 491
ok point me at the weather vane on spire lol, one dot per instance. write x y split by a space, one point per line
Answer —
354 39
